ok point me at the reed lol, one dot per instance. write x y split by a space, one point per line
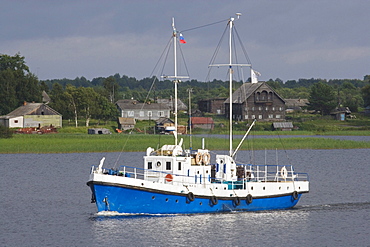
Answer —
81 143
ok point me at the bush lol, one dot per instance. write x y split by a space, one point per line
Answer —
5 132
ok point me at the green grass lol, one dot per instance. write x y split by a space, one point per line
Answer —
81 143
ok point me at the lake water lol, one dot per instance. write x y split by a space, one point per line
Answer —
45 202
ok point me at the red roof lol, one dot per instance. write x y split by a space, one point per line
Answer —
202 120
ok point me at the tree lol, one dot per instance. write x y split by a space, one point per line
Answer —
71 96
88 103
17 84
350 96
365 91
111 87
322 98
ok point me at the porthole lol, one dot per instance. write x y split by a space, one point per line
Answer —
177 201
153 197
299 188
166 199
159 164
279 188
200 203
252 188
263 188
287 188
142 184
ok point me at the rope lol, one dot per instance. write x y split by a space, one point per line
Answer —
190 29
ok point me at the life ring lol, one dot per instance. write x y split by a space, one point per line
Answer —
295 195
206 158
190 196
236 201
198 158
169 178
284 172
214 200
249 199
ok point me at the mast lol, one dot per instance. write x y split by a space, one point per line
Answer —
175 77
231 22
230 66
175 74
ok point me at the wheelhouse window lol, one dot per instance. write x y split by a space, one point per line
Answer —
150 165
179 166
168 165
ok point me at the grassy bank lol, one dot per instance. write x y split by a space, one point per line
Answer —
76 142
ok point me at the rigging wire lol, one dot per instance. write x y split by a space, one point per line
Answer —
206 25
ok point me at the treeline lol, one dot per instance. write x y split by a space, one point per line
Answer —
339 92
86 99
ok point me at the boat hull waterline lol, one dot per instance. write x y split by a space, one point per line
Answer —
134 201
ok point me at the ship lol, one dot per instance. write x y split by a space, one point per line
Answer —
176 180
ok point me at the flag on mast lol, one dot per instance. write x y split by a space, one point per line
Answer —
182 40
254 76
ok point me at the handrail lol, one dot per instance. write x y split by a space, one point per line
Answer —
268 173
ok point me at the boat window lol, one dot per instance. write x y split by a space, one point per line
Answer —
168 165
179 166
150 165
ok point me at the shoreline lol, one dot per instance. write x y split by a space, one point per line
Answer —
83 143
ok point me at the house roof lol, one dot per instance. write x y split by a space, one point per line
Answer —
246 90
202 120
126 120
164 120
341 110
170 103
296 102
134 105
27 109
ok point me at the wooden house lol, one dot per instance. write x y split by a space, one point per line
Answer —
256 101
340 113
215 105
294 105
202 123
32 115
162 123
142 111
126 123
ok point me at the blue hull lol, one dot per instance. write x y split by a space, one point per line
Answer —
135 201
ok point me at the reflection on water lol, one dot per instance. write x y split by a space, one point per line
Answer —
305 224
226 229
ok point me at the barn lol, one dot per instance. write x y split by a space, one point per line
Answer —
32 115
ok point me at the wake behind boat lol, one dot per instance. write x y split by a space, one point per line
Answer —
175 180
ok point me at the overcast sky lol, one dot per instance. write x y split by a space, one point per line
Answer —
286 39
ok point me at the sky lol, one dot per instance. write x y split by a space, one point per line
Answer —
286 39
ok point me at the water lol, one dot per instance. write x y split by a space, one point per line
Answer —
45 202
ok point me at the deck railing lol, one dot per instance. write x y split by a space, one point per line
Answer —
253 173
